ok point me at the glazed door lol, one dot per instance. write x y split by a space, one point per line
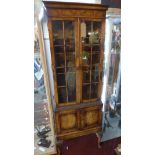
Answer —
92 43
64 51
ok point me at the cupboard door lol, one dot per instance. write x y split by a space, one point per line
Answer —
67 121
91 48
64 42
90 117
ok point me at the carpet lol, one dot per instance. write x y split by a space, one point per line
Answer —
87 145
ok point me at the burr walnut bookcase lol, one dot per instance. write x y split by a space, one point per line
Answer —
76 32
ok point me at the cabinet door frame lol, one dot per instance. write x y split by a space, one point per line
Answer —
102 20
53 65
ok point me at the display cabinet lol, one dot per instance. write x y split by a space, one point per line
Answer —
76 34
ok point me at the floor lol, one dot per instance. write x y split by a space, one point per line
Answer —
87 145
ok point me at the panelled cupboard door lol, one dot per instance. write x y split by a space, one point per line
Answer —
67 121
64 59
91 45
90 117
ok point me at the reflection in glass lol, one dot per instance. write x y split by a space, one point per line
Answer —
97 28
70 42
61 79
71 94
60 60
71 86
57 32
86 77
70 59
59 42
95 59
70 77
71 69
69 29
94 90
95 35
70 48
59 49
96 32
96 48
62 95
86 32
57 29
95 67
86 91
95 76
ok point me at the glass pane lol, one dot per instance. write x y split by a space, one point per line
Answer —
86 77
70 48
58 41
86 32
95 59
86 58
62 95
59 49
96 32
60 60
69 29
70 59
87 48
71 69
61 79
70 42
94 90
71 94
94 38
95 67
85 91
60 70
95 76
96 48
71 85
71 79
97 27
58 32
